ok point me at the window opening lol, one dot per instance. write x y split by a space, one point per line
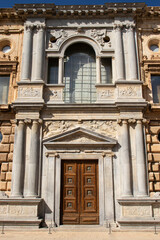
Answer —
53 70
80 74
106 70
155 80
4 87
1 136
158 136
154 48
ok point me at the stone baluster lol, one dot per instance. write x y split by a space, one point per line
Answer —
119 53
40 53
141 161
98 69
33 167
132 60
27 53
60 71
125 160
18 161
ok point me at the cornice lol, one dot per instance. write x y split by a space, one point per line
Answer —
66 11
24 11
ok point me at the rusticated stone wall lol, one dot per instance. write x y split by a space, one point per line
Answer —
153 149
7 129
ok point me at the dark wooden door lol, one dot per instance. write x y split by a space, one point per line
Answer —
79 196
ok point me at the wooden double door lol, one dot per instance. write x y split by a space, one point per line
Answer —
79 195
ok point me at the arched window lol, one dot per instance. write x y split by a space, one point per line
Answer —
79 74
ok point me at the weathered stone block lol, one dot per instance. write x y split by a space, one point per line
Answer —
149 167
10 166
154 139
3 176
150 157
151 186
148 147
154 130
4 147
13 130
155 167
6 130
11 147
3 157
11 139
4 167
151 176
8 176
157 186
148 138
156 156
155 148
3 186
8 186
5 139
10 156
157 176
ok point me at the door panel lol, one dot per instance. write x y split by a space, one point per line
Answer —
79 201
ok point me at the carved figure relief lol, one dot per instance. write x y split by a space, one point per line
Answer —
29 92
106 128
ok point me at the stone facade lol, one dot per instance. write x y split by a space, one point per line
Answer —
11 35
148 32
119 129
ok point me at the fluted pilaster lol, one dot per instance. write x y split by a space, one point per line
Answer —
141 161
40 52
33 165
119 53
132 60
27 53
18 161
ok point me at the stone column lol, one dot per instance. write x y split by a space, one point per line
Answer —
60 71
33 168
40 52
18 161
98 69
132 60
125 160
119 53
27 53
141 161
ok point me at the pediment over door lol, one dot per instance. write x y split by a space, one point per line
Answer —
80 137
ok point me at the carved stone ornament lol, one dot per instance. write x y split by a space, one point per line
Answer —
52 128
106 94
29 92
98 35
128 92
53 95
59 37
136 211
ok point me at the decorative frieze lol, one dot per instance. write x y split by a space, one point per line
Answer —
52 128
29 92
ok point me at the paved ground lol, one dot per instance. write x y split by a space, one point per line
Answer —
77 234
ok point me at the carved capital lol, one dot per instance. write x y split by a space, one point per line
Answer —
41 27
29 27
117 27
132 120
130 27
28 121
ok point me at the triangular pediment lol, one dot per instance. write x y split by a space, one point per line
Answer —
80 136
